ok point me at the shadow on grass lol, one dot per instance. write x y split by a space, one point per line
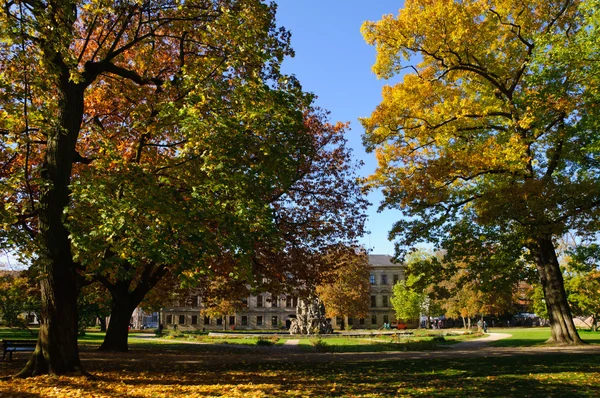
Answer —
178 372
518 343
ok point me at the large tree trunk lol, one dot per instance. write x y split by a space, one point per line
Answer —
57 351
117 332
123 304
561 321
102 320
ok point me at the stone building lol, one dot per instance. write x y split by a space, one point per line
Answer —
269 311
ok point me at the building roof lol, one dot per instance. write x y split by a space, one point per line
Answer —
382 259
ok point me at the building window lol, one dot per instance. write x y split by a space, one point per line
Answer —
384 279
182 319
373 301
259 321
386 319
274 321
373 319
295 302
219 321
244 320
259 301
361 321
207 320
195 301
395 279
350 321
288 301
169 319
194 319
273 300
384 301
372 279
245 301
232 320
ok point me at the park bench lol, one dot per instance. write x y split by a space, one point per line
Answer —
10 346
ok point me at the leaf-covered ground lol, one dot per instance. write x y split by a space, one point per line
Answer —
187 370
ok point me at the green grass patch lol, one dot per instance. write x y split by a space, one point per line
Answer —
24 334
366 344
530 337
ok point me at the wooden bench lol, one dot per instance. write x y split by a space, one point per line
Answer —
10 346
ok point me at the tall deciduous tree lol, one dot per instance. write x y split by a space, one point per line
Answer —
486 122
19 296
346 291
408 303
139 137
584 295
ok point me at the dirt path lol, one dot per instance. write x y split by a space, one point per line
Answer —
475 344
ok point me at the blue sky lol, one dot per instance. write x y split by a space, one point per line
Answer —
334 62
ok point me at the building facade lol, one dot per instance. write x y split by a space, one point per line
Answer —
271 312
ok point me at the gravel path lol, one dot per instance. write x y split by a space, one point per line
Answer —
475 344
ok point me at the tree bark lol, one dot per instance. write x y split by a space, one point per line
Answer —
117 332
57 351
102 320
123 304
561 321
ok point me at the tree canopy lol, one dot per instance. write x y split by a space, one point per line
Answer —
495 122
346 291
145 137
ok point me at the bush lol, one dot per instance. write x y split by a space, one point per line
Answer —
399 338
265 341
320 345
173 334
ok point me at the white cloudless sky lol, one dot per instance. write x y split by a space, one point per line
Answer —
334 62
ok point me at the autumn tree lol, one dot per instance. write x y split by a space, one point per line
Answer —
19 296
139 136
582 280
223 296
487 122
346 291
584 295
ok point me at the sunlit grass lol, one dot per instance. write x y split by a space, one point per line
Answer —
530 337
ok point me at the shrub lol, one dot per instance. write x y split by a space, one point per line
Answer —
265 342
320 345
173 334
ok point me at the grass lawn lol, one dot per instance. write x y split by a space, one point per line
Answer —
183 370
174 368
421 341
528 337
